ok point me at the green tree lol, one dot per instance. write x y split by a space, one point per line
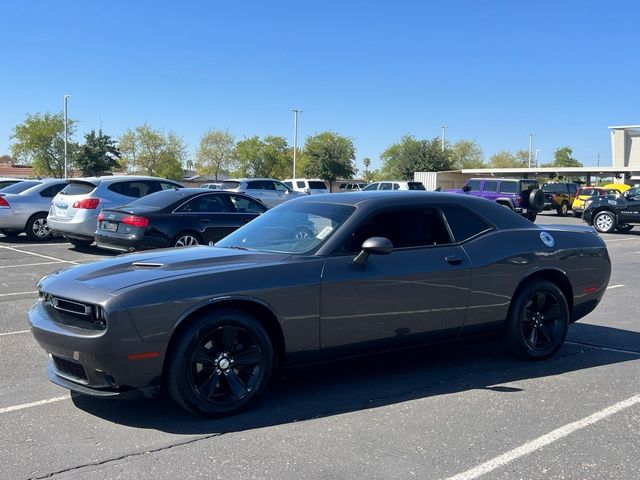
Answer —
151 152
269 157
506 159
410 155
39 142
216 154
98 155
563 157
329 156
467 154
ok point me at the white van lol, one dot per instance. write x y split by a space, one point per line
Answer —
310 186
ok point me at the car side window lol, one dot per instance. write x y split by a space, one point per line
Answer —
508 187
246 205
300 184
288 184
385 186
490 186
406 227
205 204
168 186
572 188
463 223
279 187
52 191
396 186
255 185
373 186
474 184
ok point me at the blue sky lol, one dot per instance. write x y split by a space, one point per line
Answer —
492 71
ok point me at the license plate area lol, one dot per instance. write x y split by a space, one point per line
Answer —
109 226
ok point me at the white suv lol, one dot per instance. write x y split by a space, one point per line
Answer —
310 186
394 185
269 191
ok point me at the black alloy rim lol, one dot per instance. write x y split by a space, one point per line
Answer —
226 365
541 321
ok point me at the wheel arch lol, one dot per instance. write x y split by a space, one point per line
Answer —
259 310
555 276
604 208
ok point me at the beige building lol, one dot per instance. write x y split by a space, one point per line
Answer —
625 146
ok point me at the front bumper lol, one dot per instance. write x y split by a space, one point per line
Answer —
97 362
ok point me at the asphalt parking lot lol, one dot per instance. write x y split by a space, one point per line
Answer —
471 411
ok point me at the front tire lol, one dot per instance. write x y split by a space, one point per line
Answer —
37 228
538 321
221 364
604 222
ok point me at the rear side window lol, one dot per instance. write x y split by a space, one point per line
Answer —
373 186
317 185
415 186
405 227
508 187
464 224
299 184
20 187
135 189
205 204
386 186
78 188
528 185
52 191
246 205
474 184
288 184
490 186
572 188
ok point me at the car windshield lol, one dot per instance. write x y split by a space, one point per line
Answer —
296 228
21 186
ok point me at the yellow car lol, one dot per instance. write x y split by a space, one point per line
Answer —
582 194
617 187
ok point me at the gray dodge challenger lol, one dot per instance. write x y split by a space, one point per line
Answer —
316 278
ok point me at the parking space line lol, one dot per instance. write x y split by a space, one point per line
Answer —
14 333
38 255
32 404
615 286
17 293
31 264
545 440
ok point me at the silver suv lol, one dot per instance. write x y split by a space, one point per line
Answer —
269 191
74 211
394 185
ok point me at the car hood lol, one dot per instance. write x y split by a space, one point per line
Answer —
127 270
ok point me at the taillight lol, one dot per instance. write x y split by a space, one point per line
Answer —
4 203
87 203
135 221
100 216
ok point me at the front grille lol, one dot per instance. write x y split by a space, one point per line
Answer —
70 369
71 312
68 305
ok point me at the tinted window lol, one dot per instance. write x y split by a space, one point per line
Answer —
173 186
415 186
246 205
386 186
20 187
205 204
474 184
135 188
373 186
229 185
159 199
52 191
317 185
299 184
405 227
464 224
572 188
508 187
289 184
279 186
6 183
554 187
529 185
78 188
490 186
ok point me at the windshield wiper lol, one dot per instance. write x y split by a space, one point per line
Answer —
234 247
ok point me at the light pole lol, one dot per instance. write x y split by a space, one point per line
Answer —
66 97
530 147
444 130
295 111
537 152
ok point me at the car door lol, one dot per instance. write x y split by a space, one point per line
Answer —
259 189
631 213
417 293
490 190
211 215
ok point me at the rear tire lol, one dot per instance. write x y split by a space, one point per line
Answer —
563 209
37 228
186 239
538 321
531 216
221 364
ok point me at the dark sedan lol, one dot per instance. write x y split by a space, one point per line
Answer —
315 278
175 218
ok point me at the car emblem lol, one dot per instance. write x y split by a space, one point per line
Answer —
547 239
612 202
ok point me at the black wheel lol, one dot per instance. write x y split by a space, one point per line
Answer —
186 239
604 221
220 364
538 321
77 242
9 233
624 228
563 209
532 216
37 228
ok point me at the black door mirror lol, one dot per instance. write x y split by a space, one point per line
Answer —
375 246
466 188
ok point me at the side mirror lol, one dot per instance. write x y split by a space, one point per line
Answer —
466 188
375 246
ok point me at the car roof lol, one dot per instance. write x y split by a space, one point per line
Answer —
250 179
107 178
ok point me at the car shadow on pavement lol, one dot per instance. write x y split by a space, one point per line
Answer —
383 379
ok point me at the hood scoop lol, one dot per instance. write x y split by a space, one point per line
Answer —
147 264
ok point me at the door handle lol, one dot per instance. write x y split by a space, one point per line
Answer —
453 259
204 220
